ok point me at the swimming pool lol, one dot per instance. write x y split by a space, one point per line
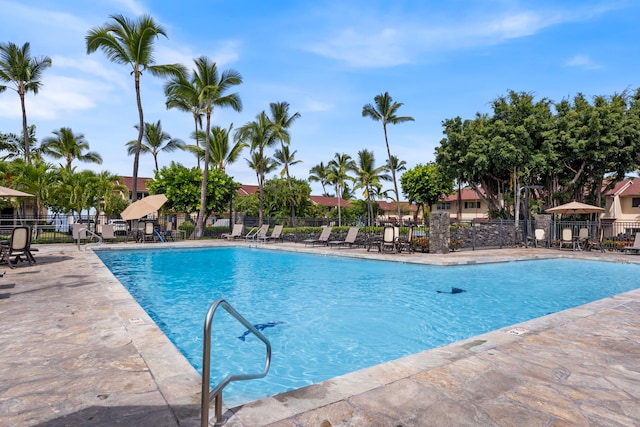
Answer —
333 315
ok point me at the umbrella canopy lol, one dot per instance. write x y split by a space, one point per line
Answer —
10 192
142 207
575 208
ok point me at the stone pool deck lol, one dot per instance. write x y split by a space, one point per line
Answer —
77 350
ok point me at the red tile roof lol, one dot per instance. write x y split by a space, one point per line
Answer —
633 189
127 181
247 190
329 202
466 193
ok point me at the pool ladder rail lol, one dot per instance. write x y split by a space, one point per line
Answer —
216 393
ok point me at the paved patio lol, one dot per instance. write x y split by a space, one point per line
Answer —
77 350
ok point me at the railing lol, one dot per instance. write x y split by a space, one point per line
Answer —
216 392
83 232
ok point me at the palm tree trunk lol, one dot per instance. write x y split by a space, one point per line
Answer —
25 130
195 120
136 157
199 230
393 170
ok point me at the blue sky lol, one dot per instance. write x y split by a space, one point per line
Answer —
327 59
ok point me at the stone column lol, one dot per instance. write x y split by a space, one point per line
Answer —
439 235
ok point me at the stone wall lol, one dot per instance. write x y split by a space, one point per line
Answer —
439 235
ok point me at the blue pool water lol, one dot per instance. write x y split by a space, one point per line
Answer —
334 315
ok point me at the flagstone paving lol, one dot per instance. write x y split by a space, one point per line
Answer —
77 350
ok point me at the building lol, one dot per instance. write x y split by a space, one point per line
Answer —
623 202
472 206
127 181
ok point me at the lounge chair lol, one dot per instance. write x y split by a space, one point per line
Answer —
108 232
567 239
596 244
349 240
539 238
236 232
275 234
322 239
19 246
635 247
389 241
257 233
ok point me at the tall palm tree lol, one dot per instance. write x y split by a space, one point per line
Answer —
25 73
221 151
69 146
183 95
131 42
212 88
339 168
368 177
155 140
384 110
282 120
259 134
285 158
319 173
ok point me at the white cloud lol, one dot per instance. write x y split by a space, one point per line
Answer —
582 61
405 39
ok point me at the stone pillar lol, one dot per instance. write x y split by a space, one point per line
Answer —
439 235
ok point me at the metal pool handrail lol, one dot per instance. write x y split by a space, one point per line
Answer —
216 392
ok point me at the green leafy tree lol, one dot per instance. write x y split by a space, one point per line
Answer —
131 42
384 110
182 185
69 146
279 194
424 185
155 140
24 72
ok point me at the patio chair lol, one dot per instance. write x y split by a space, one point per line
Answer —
389 241
349 240
322 239
567 239
404 242
539 237
236 232
635 247
149 232
276 234
19 246
583 238
596 244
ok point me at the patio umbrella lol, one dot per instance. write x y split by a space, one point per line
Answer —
575 208
142 207
10 192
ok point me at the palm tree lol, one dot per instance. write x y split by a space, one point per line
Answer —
339 168
69 146
385 111
35 178
155 137
282 120
368 176
212 90
221 152
14 145
259 134
319 173
183 95
25 73
129 42
285 158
